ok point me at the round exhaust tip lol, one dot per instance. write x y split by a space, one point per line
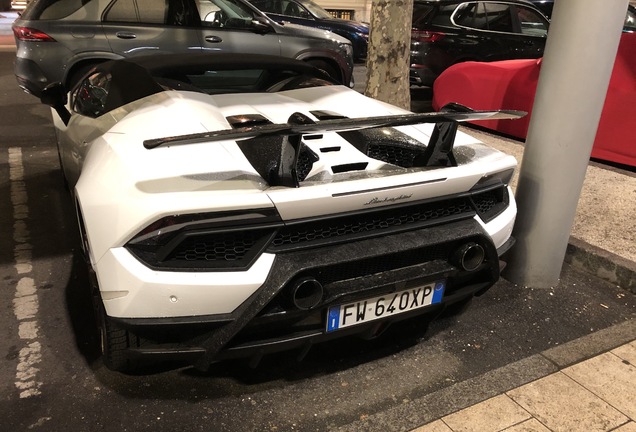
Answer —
470 256
306 293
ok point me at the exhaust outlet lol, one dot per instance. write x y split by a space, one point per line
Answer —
306 293
469 256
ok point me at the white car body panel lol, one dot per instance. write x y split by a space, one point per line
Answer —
132 289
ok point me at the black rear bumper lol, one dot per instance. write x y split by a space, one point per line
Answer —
268 322
30 76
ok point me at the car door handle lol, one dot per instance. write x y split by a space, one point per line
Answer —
125 35
213 39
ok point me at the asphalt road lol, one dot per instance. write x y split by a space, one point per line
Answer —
52 378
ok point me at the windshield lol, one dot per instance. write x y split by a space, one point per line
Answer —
226 13
231 8
630 20
316 10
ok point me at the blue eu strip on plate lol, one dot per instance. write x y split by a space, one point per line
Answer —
371 309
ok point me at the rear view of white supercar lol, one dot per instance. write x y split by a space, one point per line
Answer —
233 206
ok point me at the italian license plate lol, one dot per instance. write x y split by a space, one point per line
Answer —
363 311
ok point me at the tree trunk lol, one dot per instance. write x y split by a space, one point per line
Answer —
388 56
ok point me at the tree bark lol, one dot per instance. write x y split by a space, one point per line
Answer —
388 56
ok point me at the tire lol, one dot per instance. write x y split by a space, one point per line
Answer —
114 341
77 74
327 68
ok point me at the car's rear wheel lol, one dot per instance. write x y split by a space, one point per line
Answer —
114 341
327 68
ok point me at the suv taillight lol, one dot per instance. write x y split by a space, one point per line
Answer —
31 35
426 36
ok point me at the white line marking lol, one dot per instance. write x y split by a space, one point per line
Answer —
25 302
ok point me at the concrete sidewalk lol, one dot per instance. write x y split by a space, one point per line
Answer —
598 394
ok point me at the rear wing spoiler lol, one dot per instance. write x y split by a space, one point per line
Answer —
273 149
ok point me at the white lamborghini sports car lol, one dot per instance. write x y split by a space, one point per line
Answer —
231 206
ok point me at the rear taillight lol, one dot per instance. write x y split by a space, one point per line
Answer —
31 35
426 36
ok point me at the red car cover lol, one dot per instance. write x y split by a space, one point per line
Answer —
511 84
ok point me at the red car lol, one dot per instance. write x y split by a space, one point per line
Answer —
512 84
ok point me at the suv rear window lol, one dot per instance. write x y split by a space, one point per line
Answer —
51 9
471 15
485 16
162 12
421 12
499 17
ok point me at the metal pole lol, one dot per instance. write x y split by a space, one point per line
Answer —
575 72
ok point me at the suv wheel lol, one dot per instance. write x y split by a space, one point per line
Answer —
77 73
327 68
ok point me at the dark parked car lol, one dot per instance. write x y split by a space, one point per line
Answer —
446 32
630 19
545 6
308 13
60 40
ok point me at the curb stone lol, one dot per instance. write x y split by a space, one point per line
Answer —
602 264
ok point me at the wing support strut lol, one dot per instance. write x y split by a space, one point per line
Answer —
275 157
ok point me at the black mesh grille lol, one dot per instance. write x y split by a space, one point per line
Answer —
217 247
484 202
396 155
306 160
370 223
490 204
235 249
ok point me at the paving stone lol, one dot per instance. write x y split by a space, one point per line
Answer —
561 404
532 425
627 352
608 377
629 427
436 426
494 415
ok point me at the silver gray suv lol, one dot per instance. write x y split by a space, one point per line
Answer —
60 40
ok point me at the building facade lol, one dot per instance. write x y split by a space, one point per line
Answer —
358 10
